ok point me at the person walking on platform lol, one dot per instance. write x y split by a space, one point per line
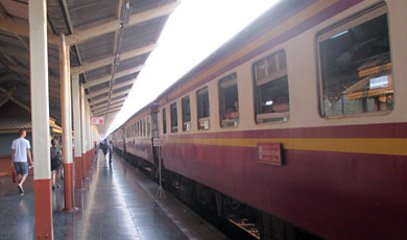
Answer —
20 152
110 148
56 164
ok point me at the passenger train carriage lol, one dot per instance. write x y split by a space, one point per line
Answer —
301 116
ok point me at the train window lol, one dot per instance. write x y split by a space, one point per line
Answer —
148 128
144 128
174 117
228 101
271 88
164 112
355 65
203 109
141 128
186 114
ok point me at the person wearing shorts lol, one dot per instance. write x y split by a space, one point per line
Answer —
20 153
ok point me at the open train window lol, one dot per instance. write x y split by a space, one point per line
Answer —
228 101
203 109
174 117
355 65
271 88
164 112
148 128
143 124
186 114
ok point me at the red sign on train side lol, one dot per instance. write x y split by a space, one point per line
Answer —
269 153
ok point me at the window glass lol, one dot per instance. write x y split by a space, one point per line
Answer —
271 88
186 114
203 109
164 112
148 128
141 128
228 101
143 133
355 66
174 118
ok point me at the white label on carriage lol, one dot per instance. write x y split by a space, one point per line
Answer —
269 153
157 142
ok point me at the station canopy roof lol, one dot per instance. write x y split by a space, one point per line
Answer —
110 42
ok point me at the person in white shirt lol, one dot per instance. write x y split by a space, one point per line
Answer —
20 152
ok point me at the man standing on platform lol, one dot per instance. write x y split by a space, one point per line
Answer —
20 151
110 148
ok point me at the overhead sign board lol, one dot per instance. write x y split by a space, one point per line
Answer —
98 120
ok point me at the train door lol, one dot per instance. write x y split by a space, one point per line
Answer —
155 135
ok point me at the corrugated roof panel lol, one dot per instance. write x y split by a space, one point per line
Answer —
132 62
126 78
90 12
98 87
14 123
121 89
100 96
142 34
99 72
142 5
97 48
121 96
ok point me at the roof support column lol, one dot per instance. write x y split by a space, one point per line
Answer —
89 136
40 119
66 122
76 94
83 133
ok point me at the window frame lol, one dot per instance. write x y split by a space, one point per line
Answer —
233 117
174 128
272 117
205 119
164 120
345 24
186 125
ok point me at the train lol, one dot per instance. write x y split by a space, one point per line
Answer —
299 118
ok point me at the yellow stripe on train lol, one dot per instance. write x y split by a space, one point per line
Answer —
386 146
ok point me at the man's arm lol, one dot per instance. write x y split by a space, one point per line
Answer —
13 153
29 156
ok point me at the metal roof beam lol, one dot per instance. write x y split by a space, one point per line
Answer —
120 104
85 67
19 28
81 36
117 75
110 112
105 111
5 77
20 69
117 101
23 55
114 87
120 94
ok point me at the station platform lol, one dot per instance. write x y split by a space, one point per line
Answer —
116 202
